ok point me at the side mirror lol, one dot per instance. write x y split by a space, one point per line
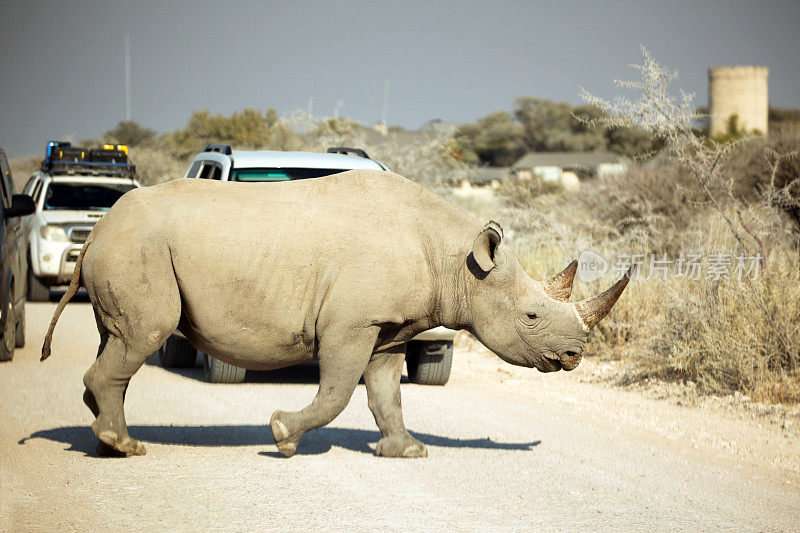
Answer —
21 205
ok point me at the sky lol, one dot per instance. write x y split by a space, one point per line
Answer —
63 68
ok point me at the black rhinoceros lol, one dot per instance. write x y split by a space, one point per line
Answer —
342 269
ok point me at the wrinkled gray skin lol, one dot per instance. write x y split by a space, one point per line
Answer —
342 269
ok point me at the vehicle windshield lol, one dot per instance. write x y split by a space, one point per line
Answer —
281 174
84 196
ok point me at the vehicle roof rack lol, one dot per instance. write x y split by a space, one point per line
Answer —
111 160
221 148
348 150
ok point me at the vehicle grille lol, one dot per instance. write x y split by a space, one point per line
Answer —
79 234
72 256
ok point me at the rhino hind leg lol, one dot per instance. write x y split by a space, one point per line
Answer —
88 396
342 360
382 378
136 305
106 382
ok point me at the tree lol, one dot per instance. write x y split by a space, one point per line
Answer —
542 125
129 132
249 128
779 117
496 139
545 123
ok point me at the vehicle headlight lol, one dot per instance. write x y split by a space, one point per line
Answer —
54 233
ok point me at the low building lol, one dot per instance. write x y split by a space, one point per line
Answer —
568 167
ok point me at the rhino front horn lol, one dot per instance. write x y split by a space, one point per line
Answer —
593 310
559 287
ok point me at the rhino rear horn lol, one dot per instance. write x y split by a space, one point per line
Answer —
592 310
559 287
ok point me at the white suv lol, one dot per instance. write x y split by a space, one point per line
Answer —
74 188
428 357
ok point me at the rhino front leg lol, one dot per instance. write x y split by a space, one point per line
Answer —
382 378
342 360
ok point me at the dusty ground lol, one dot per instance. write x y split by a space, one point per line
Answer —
508 448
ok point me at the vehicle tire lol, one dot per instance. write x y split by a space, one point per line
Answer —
176 352
220 372
9 340
429 362
20 335
38 291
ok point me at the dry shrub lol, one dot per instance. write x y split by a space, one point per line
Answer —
750 163
626 332
710 332
155 166
22 168
657 202
769 169
726 335
522 193
713 333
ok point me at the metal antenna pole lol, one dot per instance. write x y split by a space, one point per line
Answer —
127 77
385 109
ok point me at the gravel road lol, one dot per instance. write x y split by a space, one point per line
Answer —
509 449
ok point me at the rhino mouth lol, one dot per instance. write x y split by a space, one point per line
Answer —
570 360
549 365
567 361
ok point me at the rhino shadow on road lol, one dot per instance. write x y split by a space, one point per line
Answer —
81 439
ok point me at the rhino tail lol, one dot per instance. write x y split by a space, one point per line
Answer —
74 285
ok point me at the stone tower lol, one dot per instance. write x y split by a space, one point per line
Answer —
740 91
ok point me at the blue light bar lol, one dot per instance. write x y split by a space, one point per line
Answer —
48 151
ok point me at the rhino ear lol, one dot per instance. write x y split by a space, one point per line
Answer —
485 245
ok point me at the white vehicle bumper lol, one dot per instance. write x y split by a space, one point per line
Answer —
55 259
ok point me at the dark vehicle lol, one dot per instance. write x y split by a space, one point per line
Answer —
14 262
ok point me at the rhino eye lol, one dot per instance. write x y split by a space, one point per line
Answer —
532 316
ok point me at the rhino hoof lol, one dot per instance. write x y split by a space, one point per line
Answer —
287 448
131 447
104 450
400 446
111 445
281 435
